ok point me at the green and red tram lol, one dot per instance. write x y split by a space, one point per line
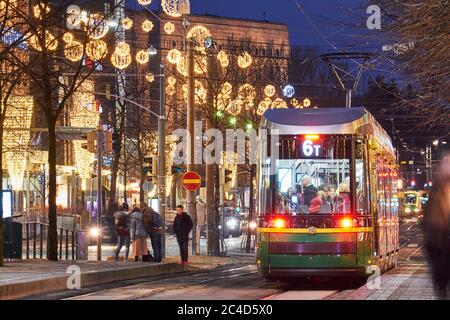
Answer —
327 198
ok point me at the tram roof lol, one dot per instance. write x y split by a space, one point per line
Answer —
355 120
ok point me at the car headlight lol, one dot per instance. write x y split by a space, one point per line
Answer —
407 210
416 210
94 232
232 223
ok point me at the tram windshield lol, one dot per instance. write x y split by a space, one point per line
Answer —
312 176
410 198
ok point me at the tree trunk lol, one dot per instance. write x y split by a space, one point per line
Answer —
52 214
113 186
251 208
215 219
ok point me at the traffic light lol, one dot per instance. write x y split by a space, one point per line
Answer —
108 142
91 135
228 174
116 142
177 169
150 168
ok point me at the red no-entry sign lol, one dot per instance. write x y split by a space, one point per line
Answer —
191 181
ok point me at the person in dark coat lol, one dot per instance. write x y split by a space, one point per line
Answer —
436 227
153 225
309 191
182 225
122 222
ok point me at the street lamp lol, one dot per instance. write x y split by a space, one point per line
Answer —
152 51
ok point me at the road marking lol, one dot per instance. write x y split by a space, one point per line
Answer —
412 245
301 295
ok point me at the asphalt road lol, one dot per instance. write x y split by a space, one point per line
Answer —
240 281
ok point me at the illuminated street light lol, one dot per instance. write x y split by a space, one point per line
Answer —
152 51
233 120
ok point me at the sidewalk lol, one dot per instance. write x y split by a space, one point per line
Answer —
33 277
406 282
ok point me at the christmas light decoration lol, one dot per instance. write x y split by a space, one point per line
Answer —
279 104
121 57
37 10
170 7
170 90
294 102
145 2
181 66
263 106
223 59
149 77
97 26
147 26
200 92
224 96
270 91
200 65
245 60
235 107
96 49
51 43
68 37
73 51
127 23
199 33
171 80
169 27
306 102
142 57
173 56
16 143
247 95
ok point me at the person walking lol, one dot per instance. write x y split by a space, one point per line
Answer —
153 224
138 235
182 225
436 226
122 222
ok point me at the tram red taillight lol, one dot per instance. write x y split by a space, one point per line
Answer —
346 222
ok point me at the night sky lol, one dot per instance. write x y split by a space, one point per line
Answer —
341 22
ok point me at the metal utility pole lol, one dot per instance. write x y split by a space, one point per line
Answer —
99 190
191 210
162 158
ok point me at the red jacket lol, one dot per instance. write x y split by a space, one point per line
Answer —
315 204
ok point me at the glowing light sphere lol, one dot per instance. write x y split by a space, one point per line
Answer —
37 10
127 23
68 37
173 56
288 91
169 27
96 49
142 57
200 92
145 2
245 60
247 94
171 80
170 90
121 57
97 26
170 7
199 33
270 90
149 77
73 51
182 67
50 42
200 65
306 102
235 107
279 104
263 106
224 96
223 59
294 102
147 26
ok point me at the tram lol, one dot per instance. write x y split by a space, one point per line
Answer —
413 203
327 197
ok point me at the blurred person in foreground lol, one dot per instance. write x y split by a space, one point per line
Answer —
436 227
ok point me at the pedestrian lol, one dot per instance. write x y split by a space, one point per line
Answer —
122 222
138 235
153 224
182 225
309 191
436 225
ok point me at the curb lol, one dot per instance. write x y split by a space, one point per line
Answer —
90 278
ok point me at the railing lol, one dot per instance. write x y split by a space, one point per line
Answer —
35 241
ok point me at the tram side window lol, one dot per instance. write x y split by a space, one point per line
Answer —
362 198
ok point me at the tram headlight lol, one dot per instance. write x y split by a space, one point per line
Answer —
407 210
232 223
252 225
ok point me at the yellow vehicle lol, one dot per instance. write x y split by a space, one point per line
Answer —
414 203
